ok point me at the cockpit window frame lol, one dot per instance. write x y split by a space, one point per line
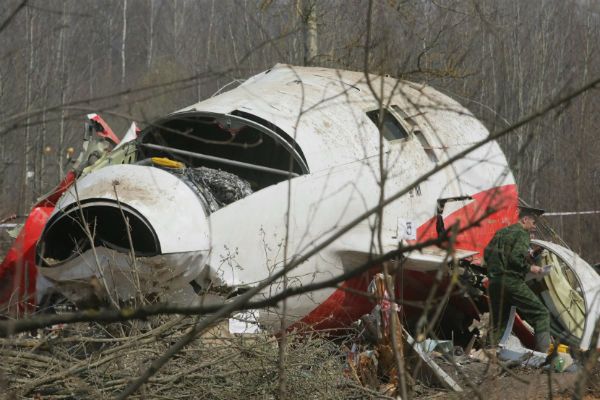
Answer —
398 121
417 132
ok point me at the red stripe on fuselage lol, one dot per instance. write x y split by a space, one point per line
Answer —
496 208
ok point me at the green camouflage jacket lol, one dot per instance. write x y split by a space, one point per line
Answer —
506 254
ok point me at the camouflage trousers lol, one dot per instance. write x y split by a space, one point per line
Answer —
506 291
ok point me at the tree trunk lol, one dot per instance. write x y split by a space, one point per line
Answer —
150 35
124 39
25 191
309 15
60 151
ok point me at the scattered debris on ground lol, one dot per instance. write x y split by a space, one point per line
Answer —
510 371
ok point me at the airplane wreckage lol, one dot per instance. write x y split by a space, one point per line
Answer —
216 197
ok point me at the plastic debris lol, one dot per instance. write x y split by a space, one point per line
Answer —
244 322
513 351
561 359
441 346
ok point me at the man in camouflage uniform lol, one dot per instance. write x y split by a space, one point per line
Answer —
507 259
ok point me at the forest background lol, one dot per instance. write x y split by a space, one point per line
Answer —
136 60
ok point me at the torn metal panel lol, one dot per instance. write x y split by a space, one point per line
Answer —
102 129
130 135
106 276
432 257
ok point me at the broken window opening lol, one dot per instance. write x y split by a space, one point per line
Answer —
272 127
391 128
232 143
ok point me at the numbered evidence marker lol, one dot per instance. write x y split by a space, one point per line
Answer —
407 229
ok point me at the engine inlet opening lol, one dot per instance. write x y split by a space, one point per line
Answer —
65 236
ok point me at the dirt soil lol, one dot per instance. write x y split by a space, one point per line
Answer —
485 380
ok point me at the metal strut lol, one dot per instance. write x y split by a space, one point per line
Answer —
219 160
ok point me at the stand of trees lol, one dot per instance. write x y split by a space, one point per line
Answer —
140 59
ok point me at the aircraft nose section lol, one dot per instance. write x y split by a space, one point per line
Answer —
121 208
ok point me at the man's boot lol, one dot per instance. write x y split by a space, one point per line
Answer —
542 342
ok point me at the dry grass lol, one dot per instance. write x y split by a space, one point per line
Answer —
87 360
92 361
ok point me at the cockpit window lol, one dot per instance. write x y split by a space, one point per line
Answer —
391 129
238 145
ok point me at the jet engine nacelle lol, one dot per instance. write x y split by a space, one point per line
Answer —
114 212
